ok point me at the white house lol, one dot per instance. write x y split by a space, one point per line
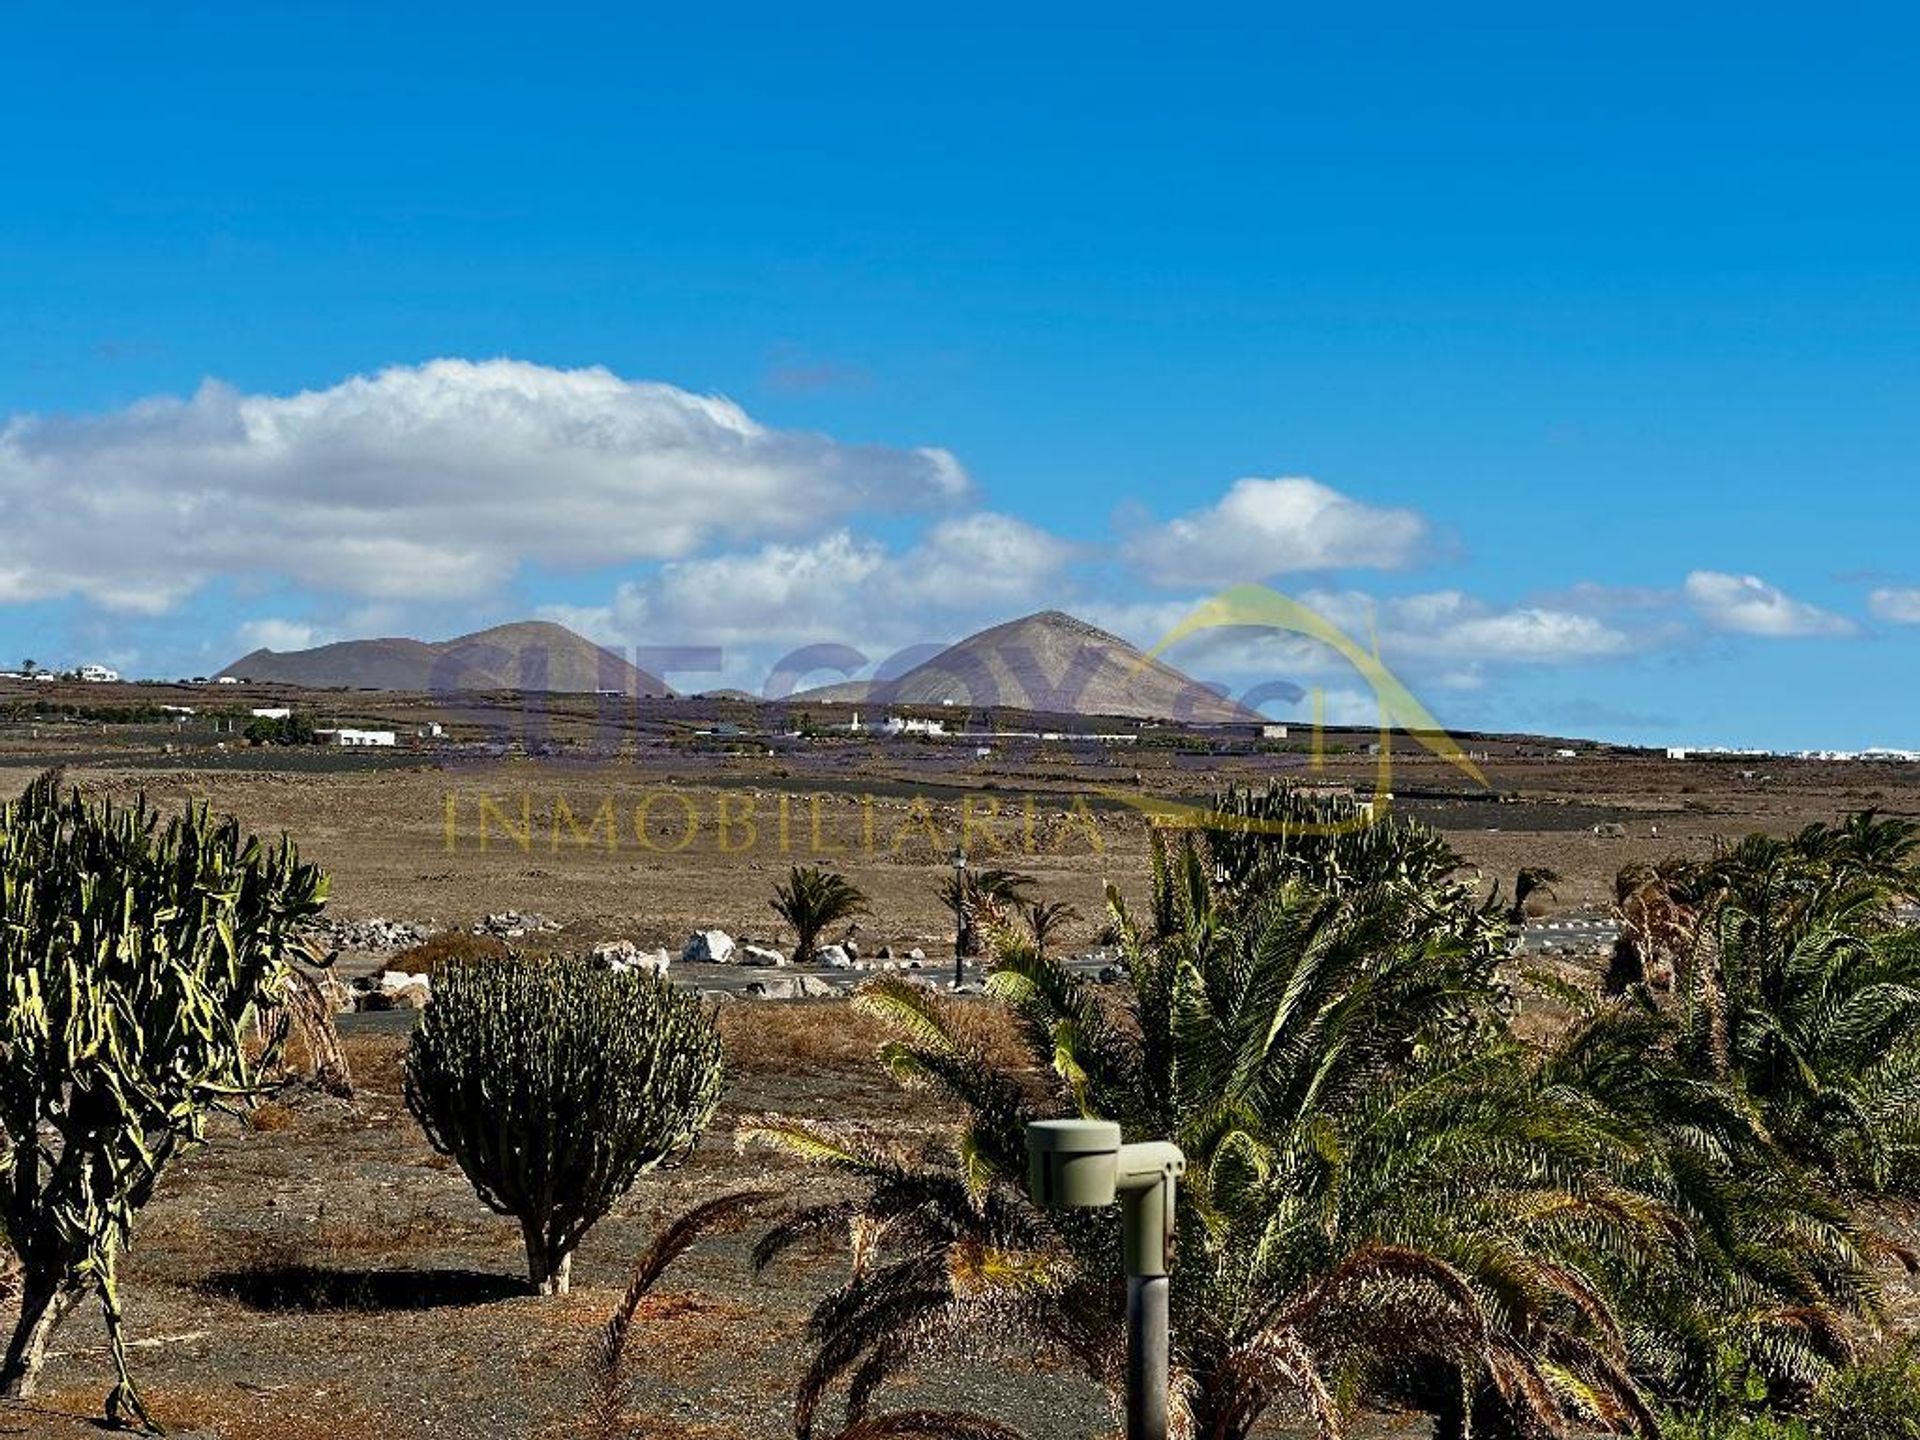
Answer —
273 712
898 726
99 674
360 739
227 680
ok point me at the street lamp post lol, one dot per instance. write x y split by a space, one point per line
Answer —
1081 1164
959 914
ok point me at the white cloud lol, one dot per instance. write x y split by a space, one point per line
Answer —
840 589
418 483
1263 528
1899 606
1748 605
269 633
1435 640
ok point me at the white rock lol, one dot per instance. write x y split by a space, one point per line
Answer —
625 955
792 987
708 947
761 955
392 982
832 957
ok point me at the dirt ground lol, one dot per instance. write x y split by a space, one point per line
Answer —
319 1272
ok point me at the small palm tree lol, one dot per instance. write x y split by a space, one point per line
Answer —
1046 919
811 900
982 894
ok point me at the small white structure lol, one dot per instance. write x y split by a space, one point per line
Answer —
227 680
273 712
357 739
898 726
1566 754
1273 732
1678 752
99 674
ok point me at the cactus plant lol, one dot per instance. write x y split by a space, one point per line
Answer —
554 1085
135 959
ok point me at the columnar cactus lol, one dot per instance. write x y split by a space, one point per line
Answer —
554 1085
134 959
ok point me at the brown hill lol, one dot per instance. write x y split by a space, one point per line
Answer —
1052 663
532 655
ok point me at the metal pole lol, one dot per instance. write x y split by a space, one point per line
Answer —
1146 1220
1147 1357
959 917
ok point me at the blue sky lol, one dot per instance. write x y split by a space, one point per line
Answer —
1572 352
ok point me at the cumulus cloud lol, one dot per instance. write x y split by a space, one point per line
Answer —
272 633
1748 605
1263 528
1441 639
1896 605
418 483
842 588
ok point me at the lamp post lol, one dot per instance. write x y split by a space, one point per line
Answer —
959 914
1081 1164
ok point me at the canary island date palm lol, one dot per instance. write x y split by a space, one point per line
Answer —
554 1085
1376 1184
1794 979
1771 1273
137 957
1805 987
982 896
812 899
1390 1197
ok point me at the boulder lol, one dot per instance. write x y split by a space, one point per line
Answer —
832 957
624 955
708 947
762 955
513 924
792 987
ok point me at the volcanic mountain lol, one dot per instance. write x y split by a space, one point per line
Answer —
533 655
1051 663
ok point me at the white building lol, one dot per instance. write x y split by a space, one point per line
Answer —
357 739
228 680
272 712
99 674
898 726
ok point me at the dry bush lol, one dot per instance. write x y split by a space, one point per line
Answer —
270 1117
377 1060
784 1037
430 956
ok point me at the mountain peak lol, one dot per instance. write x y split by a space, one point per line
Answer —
1048 662
520 655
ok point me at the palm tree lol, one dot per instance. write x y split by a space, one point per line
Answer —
1389 1197
1046 919
811 900
1370 1208
981 896
27 667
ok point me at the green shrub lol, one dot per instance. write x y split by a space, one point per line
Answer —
555 1085
134 960
1878 1398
